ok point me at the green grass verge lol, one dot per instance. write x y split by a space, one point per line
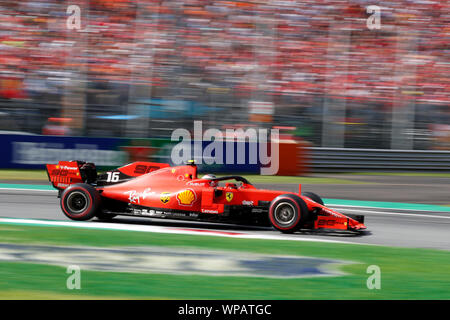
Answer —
44 295
405 273
23 175
401 174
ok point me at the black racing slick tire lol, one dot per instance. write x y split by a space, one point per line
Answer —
288 212
80 202
313 197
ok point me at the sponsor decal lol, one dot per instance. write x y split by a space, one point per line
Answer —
326 210
186 197
66 168
150 213
146 193
34 153
135 197
164 197
196 184
165 260
143 169
247 203
61 172
63 185
176 214
209 211
331 222
229 196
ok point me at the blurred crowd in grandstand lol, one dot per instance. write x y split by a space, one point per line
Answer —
310 59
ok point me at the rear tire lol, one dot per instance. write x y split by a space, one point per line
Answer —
80 202
287 213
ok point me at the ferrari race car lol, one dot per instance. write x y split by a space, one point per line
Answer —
157 190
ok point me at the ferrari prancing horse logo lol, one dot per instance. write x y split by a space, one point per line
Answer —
229 196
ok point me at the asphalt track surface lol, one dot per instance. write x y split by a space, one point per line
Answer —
390 227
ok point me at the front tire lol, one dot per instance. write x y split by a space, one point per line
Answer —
287 213
80 202
314 197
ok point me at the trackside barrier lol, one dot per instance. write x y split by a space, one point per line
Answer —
34 151
293 158
350 159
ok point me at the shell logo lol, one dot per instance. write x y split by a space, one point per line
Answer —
186 197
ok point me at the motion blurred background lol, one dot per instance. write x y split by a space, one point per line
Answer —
345 96
141 68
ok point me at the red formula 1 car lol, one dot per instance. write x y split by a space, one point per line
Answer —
156 190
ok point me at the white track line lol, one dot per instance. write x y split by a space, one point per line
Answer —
160 229
395 213
19 189
386 208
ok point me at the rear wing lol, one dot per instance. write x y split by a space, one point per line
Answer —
65 173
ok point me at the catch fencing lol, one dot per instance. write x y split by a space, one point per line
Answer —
348 159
